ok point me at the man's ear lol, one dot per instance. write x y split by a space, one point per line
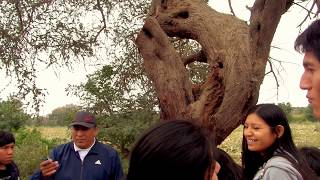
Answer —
279 130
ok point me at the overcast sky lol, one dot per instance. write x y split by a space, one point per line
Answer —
289 77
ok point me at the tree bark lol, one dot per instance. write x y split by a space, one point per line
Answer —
235 51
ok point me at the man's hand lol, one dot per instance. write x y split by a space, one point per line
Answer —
49 167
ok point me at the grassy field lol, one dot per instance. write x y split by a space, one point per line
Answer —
304 134
54 132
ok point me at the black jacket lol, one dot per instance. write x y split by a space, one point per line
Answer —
13 172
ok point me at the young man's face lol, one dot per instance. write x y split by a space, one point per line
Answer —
6 154
310 80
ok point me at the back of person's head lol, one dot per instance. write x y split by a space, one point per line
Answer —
173 150
309 40
312 156
229 170
6 138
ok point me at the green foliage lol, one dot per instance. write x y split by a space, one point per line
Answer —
99 92
122 113
31 149
287 108
62 33
302 114
309 114
62 116
122 129
12 116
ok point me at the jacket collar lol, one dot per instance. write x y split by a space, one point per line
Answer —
94 149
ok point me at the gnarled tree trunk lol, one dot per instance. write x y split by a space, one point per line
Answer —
235 51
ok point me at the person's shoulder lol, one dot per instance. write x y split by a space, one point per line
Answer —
63 147
278 165
105 147
14 170
13 166
278 161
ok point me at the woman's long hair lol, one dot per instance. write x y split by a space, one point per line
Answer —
284 146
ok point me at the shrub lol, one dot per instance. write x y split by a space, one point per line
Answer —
31 149
12 116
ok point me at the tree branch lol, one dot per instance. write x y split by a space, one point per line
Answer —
17 6
103 20
230 6
199 57
308 14
274 74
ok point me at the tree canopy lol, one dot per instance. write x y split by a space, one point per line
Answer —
12 116
60 33
63 116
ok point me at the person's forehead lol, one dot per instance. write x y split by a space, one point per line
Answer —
254 119
310 60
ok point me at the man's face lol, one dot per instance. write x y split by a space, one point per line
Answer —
310 80
82 136
6 154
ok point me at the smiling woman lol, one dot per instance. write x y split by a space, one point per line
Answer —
268 150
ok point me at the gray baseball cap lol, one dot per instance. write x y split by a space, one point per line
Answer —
85 119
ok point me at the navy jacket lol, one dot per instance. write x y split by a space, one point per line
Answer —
13 172
101 162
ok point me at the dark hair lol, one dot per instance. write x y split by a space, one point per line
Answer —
229 170
273 115
172 150
6 138
312 156
309 40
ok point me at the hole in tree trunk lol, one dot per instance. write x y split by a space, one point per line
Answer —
183 15
147 33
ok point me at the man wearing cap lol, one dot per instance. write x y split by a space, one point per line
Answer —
84 158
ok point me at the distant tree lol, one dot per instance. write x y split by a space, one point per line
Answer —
37 121
12 116
63 116
287 108
122 113
309 114
122 129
